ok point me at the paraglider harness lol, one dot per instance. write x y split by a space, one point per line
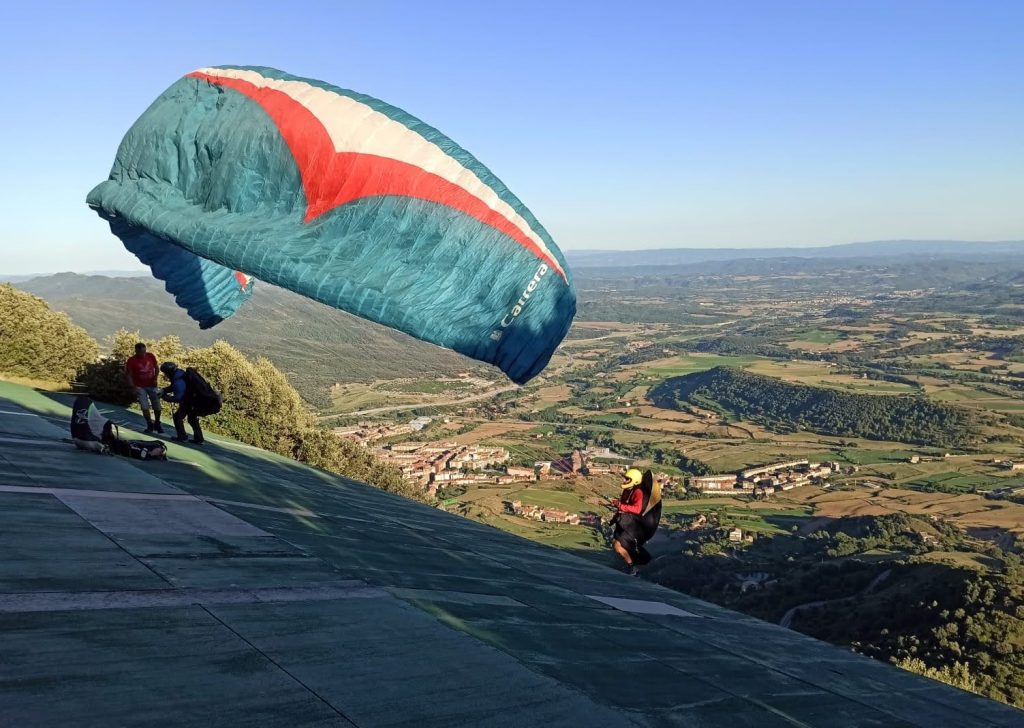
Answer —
200 397
633 531
93 432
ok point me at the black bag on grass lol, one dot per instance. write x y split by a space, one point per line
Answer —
139 449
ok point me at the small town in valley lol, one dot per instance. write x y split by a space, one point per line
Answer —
766 479
436 465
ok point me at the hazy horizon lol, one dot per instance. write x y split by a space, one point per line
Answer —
133 266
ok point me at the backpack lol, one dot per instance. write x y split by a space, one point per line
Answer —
91 431
139 449
204 399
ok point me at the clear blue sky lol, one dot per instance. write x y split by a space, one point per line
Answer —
621 125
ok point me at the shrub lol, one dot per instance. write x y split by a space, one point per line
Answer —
39 343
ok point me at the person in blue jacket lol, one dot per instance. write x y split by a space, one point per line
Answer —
178 392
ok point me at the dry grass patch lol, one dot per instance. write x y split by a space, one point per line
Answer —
491 431
658 425
966 511
610 325
658 413
554 394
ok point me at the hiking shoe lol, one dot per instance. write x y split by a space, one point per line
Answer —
197 442
158 428
181 439
149 428
632 571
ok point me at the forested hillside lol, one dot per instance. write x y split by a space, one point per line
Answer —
784 406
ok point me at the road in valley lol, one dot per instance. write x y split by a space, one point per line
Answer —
423 405
787 618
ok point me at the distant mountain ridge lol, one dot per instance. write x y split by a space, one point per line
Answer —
954 249
16 278
686 256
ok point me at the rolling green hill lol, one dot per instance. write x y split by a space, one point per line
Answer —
785 406
315 345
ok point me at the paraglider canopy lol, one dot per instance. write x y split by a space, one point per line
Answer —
242 172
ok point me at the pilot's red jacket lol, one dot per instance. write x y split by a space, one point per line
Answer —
632 501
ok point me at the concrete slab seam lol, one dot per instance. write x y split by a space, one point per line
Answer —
182 597
284 670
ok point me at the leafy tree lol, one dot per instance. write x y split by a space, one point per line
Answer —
39 343
692 466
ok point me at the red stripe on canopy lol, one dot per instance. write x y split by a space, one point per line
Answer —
331 179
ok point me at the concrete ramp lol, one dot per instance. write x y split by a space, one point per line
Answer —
229 586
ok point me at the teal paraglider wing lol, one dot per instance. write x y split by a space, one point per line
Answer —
345 199
209 292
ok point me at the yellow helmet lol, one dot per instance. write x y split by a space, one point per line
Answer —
631 478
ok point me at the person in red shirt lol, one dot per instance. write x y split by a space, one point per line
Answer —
636 519
141 371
